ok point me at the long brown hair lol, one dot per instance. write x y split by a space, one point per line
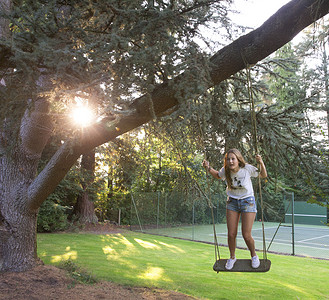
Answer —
242 163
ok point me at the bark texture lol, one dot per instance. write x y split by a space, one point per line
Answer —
18 170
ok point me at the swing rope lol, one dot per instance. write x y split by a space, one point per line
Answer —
254 136
243 264
217 253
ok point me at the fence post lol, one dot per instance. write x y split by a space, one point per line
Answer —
293 222
193 221
165 208
139 222
158 210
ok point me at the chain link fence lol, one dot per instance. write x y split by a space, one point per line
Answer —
291 227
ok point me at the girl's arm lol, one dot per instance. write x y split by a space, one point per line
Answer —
263 172
212 171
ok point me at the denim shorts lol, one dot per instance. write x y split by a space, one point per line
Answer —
242 205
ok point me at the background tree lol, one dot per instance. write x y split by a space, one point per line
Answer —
313 49
84 208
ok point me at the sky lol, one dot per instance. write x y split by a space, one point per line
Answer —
254 13
251 13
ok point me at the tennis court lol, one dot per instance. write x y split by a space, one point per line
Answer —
305 240
303 230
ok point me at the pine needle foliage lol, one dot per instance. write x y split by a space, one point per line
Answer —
108 52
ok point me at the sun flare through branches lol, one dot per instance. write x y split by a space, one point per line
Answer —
82 116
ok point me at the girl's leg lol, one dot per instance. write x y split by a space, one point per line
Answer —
247 221
232 221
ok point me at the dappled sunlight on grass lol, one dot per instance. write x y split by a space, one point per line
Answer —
117 246
154 274
108 250
117 240
296 288
147 245
122 249
145 260
172 248
119 249
111 254
129 252
114 241
69 255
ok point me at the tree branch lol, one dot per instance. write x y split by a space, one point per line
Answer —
35 128
47 180
278 30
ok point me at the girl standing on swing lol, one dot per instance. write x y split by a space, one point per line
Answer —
240 200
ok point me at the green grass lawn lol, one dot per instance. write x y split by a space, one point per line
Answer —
138 259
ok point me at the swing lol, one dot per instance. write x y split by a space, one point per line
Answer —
243 265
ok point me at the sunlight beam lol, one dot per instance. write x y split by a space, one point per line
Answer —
82 116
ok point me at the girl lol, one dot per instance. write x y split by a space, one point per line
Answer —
240 200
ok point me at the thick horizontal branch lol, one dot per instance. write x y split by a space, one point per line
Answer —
278 30
281 28
47 180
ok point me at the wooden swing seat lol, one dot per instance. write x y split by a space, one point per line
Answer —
242 265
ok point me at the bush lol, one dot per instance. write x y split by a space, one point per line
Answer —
52 217
78 274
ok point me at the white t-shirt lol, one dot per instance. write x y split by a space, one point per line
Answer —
241 182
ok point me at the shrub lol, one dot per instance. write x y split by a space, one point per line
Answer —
52 217
78 274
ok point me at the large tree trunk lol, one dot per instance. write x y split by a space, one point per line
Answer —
84 208
18 169
18 236
18 241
